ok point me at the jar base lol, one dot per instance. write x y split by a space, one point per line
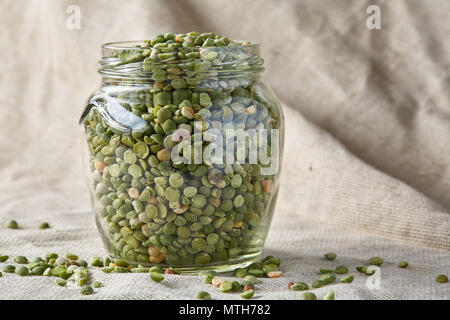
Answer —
241 262
220 267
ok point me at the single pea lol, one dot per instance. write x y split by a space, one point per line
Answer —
141 149
38 260
361 269
324 279
226 286
330 256
97 284
107 261
299 286
9 268
118 269
176 180
11 224
236 286
21 260
248 294
22 271
330 295
158 269
198 244
81 281
72 269
44 225
3 258
247 284
82 263
442 278
156 276
271 260
86 290
347 279
50 256
403 264
207 278
308 296
240 272
37 271
376 261
71 256
61 282
203 295
202 258
190 191
96 262
64 275
256 272
121 263
47 272
324 271
61 261
341 270
251 279
107 269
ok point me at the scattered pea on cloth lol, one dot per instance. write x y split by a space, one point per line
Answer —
442 278
86 290
308 296
203 295
248 294
12 224
44 225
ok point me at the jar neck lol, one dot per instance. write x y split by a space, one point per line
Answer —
131 63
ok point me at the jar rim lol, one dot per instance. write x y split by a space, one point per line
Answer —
122 45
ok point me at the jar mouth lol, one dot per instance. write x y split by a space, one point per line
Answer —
132 44
133 60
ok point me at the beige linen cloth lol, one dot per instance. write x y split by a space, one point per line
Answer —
367 160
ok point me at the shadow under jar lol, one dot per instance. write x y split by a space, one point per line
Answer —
184 146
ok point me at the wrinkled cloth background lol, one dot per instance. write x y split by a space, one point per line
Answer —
367 162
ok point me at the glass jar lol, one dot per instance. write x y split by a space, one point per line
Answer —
183 153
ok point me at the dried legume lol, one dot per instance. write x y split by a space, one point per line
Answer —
330 295
61 282
156 276
225 286
308 296
203 295
12 224
376 261
9 268
347 279
341 270
330 256
248 294
44 225
21 260
299 286
442 278
86 290
22 271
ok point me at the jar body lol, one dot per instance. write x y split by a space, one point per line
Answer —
210 208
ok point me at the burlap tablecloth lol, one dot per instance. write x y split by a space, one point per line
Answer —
367 162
